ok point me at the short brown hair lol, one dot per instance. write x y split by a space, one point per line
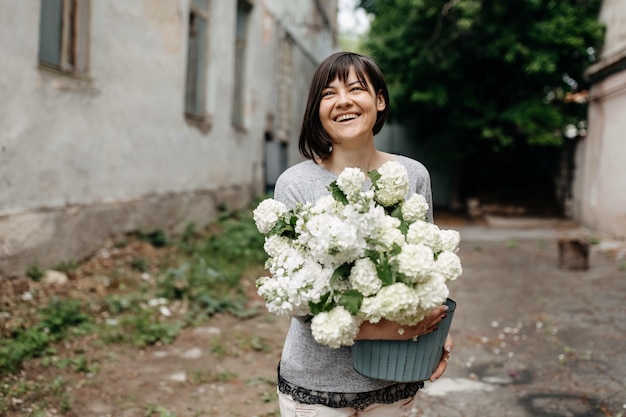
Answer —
314 141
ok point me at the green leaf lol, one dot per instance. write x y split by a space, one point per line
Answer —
285 226
351 300
384 272
322 305
374 176
337 194
340 274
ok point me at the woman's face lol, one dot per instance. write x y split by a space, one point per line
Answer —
348 109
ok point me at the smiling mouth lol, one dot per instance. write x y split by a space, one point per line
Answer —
346 117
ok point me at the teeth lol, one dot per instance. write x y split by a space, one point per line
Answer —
346 117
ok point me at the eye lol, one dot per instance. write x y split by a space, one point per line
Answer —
327 93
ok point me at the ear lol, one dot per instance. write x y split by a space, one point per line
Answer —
380 102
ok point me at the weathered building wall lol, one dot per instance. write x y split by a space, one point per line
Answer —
599 197
85 159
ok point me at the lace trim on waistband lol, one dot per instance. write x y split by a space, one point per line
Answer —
358 400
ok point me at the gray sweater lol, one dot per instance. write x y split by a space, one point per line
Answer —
305 362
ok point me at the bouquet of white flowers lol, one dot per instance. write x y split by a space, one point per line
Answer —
363 252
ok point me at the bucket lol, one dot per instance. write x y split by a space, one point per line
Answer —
403 360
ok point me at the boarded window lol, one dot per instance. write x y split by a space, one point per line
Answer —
241 32
197 41
64 36
285 87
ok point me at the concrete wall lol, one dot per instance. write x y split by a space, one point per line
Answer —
83 161
599 197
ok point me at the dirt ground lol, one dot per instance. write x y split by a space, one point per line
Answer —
227 366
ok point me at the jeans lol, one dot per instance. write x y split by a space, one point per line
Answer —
291 408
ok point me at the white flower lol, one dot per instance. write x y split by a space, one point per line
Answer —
332 241
363 277
425 233
335 328
275 245
449 240
414 208
351 181
415 261
386 233
396 302
432 292
393 184
449 265
267 213
335 247
325 204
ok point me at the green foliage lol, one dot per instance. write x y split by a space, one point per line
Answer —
480 78
157 238
337 193
35 273
157 411
209 279
40 396
68 266
205 281
494 71
351 300
57 319
142 327
140 264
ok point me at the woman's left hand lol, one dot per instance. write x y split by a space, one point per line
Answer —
443 363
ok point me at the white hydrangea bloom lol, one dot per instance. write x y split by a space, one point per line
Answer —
415 261
267 213
275 245
396 302
449 240
351 181
414 208
393 185
386 233
433 292
290 289
329 233
290 259
425 233
363 277
332 241
324 204
335 328
448 264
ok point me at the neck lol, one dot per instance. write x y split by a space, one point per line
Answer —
365 159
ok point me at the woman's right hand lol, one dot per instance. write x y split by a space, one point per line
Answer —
391 330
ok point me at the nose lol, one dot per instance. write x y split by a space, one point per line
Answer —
343 99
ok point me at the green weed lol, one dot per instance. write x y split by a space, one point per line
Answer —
140 264
58 319
157 238
35 273
68 266
157 411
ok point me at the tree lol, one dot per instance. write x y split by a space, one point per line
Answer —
486 79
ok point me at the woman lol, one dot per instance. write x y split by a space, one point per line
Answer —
346 107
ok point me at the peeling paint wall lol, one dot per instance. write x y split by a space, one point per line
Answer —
599 197
84 160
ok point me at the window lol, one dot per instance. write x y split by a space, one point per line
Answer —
64 36
243 12
284 88
195 88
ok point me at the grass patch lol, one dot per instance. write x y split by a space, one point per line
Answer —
146 289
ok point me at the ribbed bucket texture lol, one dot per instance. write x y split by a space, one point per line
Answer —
403 360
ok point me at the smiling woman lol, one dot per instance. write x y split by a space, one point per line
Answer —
346 108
